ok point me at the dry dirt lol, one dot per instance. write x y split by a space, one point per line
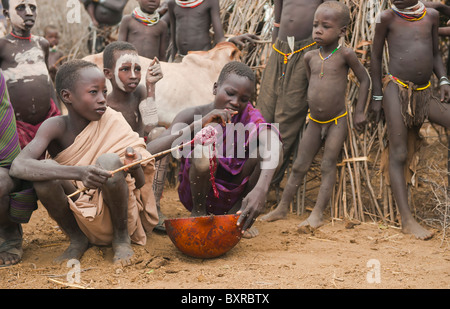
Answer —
336 256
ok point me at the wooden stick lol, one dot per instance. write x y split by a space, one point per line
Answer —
136 163
71 285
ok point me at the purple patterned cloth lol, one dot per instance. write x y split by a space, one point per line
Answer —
230 162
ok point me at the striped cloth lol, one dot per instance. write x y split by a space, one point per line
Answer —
24 202
9 139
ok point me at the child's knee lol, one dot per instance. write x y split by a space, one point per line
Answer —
45 188
398 154
6 186
328 165
109 161
300 168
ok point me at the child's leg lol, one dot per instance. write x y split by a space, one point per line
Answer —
9 231
115 194
398 153
53 195
199 175
333 147
307 149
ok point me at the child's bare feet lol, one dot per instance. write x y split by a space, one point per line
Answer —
251 232
278 213
414 228
75 250
313 221
122 253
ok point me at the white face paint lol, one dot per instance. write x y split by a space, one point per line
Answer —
30 63
16 19
125 58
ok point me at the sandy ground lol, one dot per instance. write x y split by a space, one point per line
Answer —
339 255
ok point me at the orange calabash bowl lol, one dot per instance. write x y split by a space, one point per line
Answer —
204 237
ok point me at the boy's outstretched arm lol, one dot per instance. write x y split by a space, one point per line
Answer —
270 151
359 118
183 126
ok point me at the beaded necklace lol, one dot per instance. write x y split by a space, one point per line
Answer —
287 56
144 18
28 38
326 58
414 13
189 3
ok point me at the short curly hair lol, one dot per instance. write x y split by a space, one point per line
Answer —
69 74
341 9
238 68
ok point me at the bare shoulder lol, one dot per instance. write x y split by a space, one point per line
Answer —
433 14
125 19
43 43
386 16
310 54
348 52
53 128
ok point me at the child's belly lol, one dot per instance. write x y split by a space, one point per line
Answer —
31 99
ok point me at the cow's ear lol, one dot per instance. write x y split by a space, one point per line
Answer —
235 54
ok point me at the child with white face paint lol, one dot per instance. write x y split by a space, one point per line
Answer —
136 102
24 61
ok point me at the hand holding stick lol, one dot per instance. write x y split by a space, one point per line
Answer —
206 136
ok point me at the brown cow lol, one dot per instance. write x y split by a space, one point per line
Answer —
188 83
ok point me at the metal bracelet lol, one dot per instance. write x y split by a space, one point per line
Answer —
377 97
444 81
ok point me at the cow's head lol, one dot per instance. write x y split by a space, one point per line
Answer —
223 52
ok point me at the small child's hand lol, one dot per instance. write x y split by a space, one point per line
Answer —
445 93
154 72
240 40
222 116
359 121
375 110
